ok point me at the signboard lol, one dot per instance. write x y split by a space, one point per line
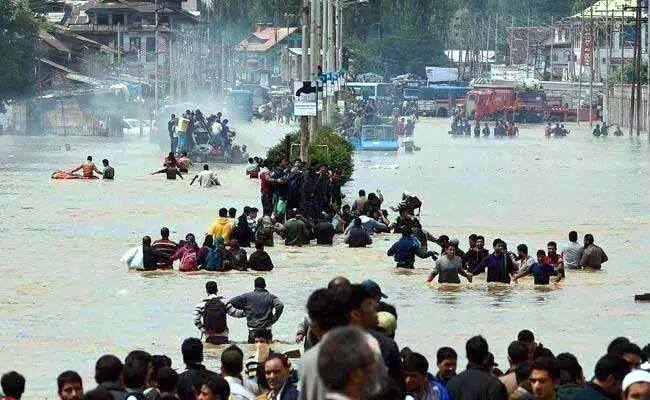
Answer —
585 54
305 96
440 74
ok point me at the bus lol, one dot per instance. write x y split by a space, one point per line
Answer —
440 100
374 91
376 138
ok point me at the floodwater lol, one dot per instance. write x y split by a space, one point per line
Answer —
65 299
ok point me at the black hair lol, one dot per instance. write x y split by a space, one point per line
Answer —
526 336
278 356
523 248
211 287
139 355
89 158
358 294
630 348
611 364
68 377
347 206
328 307
108 368
615 344
477 349
164 232
573 236
446 353
589 238
479 237
208 241
362 193
356 221
219 387
158 362
13 384
517 352
541 252
570 369
546 364
339 282
260 282
259 244
105 161
97 394
192 350
135 373
232 361
645 352
206 167
543 352
232 212
551 243
167 379
146 241
473 236
496 241
415 362
223 212
263 333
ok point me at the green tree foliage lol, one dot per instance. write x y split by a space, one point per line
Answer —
330 149
18 30
625 75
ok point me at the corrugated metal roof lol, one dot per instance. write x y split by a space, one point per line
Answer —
265 39
52 41
611 8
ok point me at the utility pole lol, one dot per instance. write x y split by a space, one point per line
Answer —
156 71
637 77
304 75
528 43
552 42
591 63
621 86
314 42
647 47
330 57
582 61
325 67
608 55
512 36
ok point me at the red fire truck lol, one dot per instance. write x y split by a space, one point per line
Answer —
522 105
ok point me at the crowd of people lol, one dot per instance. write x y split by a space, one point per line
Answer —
460 125
350 354
192 133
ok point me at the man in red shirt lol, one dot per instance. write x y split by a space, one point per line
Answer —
554 259
265 189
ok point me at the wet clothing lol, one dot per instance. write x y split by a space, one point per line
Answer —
324 233
207 179
476 383
151 258
359 204
356 236
448 270
199 314
187 379
473 257
109 173
542 273
235 259
221 228
88 168
296 233
499 267
593 257
262 309
167 248
260 261
264 231
571 253
403 252
243 232
525 265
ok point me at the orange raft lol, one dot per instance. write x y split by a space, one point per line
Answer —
60 174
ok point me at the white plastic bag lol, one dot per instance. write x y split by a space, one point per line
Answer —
133 258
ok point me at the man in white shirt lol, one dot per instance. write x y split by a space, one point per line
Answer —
523 261
206 177
232 364
572 252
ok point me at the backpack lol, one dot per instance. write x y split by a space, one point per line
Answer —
213 259
214 315
189 261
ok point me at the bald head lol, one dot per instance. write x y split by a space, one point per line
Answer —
339 282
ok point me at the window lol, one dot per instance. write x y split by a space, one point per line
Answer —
102 19
555 57
151 49
134 45
118 19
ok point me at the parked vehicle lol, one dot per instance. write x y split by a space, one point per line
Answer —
440 100
131 127
260 96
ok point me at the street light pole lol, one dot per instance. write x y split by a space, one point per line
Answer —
314 30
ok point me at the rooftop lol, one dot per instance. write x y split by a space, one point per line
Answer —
265 38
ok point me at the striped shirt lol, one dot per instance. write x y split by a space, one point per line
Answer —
198 314
167 248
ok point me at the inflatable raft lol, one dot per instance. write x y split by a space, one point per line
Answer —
67 175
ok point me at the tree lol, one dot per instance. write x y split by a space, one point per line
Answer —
18 30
